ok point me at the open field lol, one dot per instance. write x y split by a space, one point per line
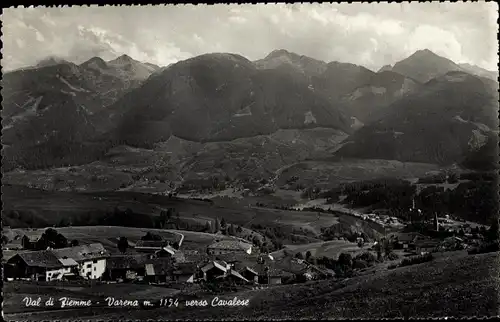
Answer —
332 249
454 285
53 206
328 174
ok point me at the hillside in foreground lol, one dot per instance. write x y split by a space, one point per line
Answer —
456 285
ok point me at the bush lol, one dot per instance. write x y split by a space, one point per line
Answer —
367 257
392 256
485 248
417 259
359 264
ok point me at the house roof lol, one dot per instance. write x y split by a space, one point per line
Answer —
223 266
68 262
251 270
290 265
44 258
34 236
151 243
409 237
427 243
82 253
230 245
237 275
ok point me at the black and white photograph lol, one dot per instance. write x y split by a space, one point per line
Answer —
250 161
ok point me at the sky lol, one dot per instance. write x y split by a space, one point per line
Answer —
368 34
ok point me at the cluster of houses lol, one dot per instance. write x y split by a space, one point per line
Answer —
87 261
417 243
229 260
383 220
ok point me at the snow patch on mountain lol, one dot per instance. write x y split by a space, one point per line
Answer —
74 88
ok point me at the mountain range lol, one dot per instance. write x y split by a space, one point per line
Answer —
425 108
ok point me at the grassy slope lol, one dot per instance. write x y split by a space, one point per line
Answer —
454 285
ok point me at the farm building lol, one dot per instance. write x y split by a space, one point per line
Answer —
159 271
215 269
272 275
229 246
30 241
39 265
87 261
91 259
250 274
236 278
125 267
407 240
151 246
426 246
185 272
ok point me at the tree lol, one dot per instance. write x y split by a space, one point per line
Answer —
493 232
176 245
122 244
361 242
345 259
308 254
299 255
239 230
223 223
51 238
5 240
217 225
256 241
231 230
208 227
74 243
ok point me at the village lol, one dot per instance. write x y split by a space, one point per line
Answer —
225 265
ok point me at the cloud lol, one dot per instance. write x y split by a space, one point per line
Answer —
372 34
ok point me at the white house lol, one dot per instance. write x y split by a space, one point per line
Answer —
91 259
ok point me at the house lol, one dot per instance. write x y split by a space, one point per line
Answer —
151 246
250 274
126 267
91 259
236 278
185 272
215 269
426 246
30 240
229 246
169 252
159 270
40 266
407 240
314 272
272 275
